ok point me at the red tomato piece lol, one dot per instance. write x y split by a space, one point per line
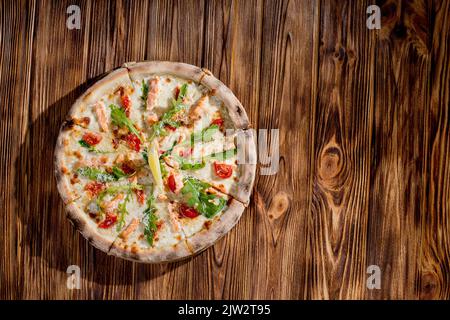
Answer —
218 121
188 212
186 153
126 103
177 92
133 142
92 138
94 187
127 169
223 170
171 183
168 126
140 196
108 222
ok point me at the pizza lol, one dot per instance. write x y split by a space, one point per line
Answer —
155 162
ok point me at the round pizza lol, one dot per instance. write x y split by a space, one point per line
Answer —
155 161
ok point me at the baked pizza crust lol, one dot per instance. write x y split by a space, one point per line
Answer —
247 167
87 228
174 253
206 237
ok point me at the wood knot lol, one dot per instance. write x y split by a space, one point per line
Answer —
330 163
429 286
340 54
279 206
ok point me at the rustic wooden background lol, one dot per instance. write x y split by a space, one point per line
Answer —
364 145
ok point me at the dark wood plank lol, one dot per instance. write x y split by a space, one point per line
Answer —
40 217
401 103
434 265
342 145
16 31
287 103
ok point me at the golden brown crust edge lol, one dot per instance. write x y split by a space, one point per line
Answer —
200 75
247 165
178 252
207 237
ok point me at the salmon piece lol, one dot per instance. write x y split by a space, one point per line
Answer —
99 109
171 162
194 112
152 118
120 158
152 93
173 215
178 183
112 205
162 197
129 229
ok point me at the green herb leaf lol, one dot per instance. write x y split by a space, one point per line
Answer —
176 106
182 94
100 175
120 119
96 174
192 166
86 145
144 91
150 220
221 155
164 171
118 173
145 155
205 135
122 208
196 196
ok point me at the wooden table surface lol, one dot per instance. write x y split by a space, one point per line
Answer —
364 130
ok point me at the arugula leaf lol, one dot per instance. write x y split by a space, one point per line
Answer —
176 106
100 175
196 196
192 166
144 91
164 171
120 119
96 174
205 135
145 155
116 189
221 155
86 145
91 148
168 151
150 220
122 208
182 94
118 173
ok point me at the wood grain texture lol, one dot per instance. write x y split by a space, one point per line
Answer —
364 130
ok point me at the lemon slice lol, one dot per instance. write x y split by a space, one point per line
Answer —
153 163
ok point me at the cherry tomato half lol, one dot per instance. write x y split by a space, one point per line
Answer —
108 222
94 188
223 170
92 138
188 212
171 183
133 142
218 121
